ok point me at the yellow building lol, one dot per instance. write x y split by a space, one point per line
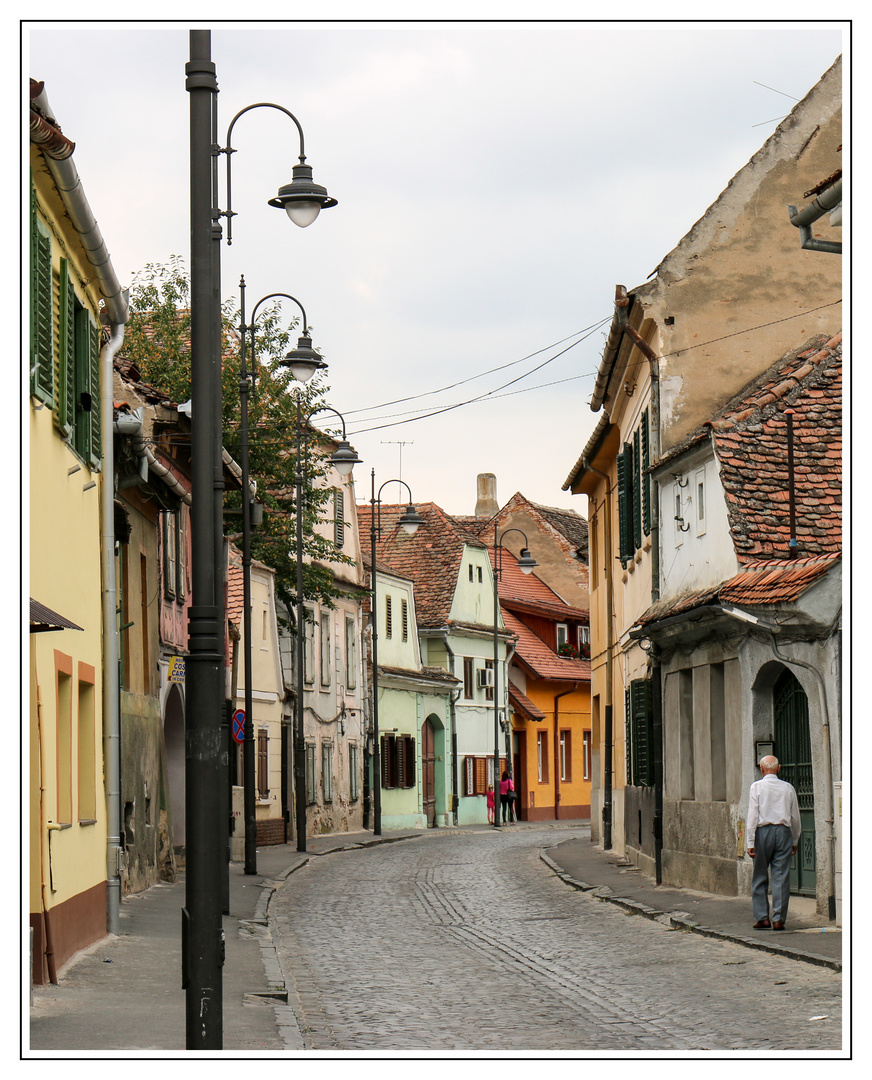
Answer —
71 839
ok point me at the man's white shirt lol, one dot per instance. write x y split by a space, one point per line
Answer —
772 802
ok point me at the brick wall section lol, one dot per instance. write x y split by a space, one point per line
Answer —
270 831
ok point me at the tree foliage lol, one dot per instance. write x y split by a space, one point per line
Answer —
158 342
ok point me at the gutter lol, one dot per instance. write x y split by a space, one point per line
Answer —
827 201
57 151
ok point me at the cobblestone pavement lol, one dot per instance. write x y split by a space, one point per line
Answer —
467 942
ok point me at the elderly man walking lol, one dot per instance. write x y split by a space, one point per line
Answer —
772 835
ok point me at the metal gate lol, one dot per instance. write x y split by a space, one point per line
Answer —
793 750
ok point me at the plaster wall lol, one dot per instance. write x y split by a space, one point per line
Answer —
738 290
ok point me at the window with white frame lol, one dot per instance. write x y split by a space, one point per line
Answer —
585 744
353 783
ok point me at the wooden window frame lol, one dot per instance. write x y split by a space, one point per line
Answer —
565 737
262 752
398 761
469 678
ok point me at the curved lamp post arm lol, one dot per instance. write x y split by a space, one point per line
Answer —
303 199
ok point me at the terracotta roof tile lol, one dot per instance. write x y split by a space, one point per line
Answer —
430 558
760 582
529 592
542 660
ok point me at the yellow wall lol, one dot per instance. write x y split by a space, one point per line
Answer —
65 575
573 714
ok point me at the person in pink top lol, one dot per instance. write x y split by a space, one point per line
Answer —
507 801
490 804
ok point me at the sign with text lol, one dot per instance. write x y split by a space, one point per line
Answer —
176 671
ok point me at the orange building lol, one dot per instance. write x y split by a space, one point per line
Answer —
549 697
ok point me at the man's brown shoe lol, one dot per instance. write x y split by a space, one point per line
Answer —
764 924
778 926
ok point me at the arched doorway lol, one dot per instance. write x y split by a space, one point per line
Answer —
793 750
174 739
428 772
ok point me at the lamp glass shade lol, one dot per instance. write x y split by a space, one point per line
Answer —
303 361
302 212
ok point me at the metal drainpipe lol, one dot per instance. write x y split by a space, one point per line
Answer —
607 764
557 697
452 700
111 681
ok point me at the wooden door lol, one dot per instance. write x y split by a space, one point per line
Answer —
428 773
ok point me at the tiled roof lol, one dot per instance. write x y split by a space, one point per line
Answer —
568 523
530 593
234 588
542 660
764 582
750 440
523 704
430 558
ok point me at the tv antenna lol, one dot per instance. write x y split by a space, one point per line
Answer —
401 444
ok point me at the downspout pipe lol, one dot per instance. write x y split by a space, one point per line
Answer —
57 152
111 680
608 729
453 697
805 218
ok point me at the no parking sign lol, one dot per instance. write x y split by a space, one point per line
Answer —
239 725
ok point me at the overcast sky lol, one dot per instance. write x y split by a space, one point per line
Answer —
495 180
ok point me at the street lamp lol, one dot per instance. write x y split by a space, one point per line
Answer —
343 459
205 748
526 564
303 361
410 519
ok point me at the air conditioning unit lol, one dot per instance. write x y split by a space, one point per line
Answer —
485 678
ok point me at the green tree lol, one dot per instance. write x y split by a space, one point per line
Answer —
158 341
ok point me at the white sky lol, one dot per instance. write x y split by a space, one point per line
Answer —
495 180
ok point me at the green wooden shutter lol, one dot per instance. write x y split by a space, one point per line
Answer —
623 509
94 452
66 353
628 735
41 314
646 479
640 722
637 490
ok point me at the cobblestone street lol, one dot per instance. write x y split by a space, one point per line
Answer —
467 942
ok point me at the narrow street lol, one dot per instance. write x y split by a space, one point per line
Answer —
466 942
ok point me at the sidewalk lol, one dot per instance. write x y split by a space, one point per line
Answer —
125 995
808 936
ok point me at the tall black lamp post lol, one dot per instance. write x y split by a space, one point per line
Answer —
246 382
304 362
410 519
205 749
526 564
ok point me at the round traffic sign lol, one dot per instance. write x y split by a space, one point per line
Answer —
239 725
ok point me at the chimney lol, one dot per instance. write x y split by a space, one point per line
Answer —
486 504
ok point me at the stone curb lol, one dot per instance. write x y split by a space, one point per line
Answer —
680 921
